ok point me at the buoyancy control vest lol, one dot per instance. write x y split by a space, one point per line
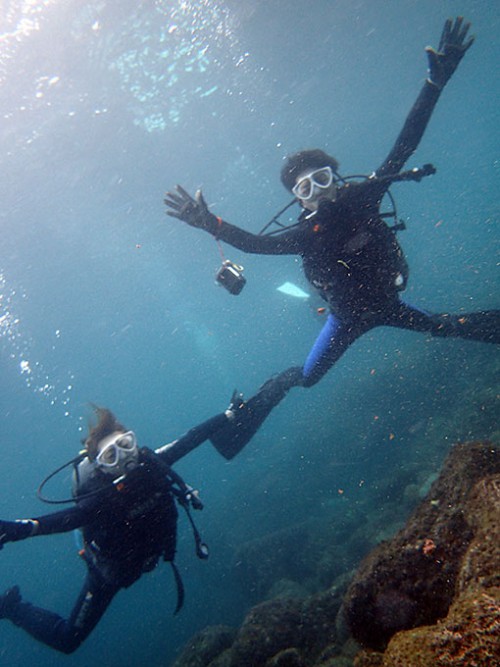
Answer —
137 521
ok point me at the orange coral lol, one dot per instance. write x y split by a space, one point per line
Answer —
429 547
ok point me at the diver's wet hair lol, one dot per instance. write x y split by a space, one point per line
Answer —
312 158
106 424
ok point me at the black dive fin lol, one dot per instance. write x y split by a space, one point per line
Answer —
250 415
231 439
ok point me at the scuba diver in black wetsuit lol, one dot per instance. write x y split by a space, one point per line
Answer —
349 253
125 505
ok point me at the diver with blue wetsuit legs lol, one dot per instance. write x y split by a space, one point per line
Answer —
350 255
125 505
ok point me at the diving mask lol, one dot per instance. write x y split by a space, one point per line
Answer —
310 185
119 454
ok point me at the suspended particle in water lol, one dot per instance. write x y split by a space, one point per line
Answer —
24 365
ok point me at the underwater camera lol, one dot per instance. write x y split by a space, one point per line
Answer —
230 277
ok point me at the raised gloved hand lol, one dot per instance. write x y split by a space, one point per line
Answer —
194 211
12 531
452 48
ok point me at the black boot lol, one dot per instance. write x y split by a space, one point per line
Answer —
9 602
482 326
250 415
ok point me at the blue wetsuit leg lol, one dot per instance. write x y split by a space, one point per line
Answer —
335 337
339 333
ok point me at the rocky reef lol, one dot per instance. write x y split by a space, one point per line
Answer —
428 596
411 580
469 632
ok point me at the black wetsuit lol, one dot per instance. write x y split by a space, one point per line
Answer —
352 258
127 528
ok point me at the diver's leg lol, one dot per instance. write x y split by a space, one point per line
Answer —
404 316
482 326
334 339
249 415
55 631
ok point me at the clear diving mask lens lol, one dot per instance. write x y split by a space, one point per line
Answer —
121 451
310 185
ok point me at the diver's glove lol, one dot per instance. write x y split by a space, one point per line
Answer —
9 602
13 531
237 403
452 48
192 210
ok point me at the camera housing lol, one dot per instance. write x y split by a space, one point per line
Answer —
230 277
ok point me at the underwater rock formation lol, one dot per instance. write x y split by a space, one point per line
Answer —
429 596
207 645
412 579
302 559
470 633
273 628
276 633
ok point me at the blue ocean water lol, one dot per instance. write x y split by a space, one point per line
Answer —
104 299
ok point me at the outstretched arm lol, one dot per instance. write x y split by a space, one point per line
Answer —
442 63
196 436
195 212
58 522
